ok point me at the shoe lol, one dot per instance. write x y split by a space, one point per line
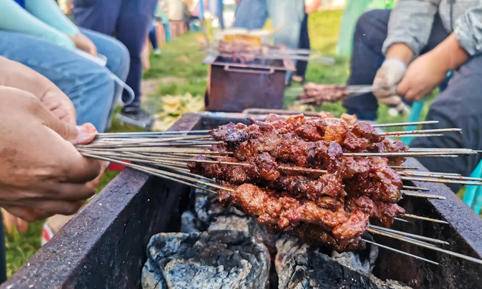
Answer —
157 52
136 116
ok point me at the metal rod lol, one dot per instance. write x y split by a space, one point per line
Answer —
414 236
422 195
415 217
400 252
440 180
429 246
422 131
414 188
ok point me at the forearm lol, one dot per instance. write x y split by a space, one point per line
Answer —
49 12
450 52
411 23
401 52
16 19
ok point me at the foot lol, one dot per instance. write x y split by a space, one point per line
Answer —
137 117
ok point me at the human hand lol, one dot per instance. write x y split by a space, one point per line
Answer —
386 80
17 75
83 43
41 172
423 75
12 223
429 70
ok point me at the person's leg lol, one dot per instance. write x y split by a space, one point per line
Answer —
459 105
220 12
116 52
3 260
117 58
87 84
153 37
132 27
367 57
251 14
98 15
301 66
286 17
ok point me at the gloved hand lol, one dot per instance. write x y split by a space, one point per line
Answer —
386 80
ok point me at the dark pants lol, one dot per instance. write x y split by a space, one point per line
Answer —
301 66
3 265
153 37
127 20
459 105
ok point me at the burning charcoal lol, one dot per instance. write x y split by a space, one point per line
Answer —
210 260
300 266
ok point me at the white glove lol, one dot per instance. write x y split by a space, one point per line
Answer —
385 83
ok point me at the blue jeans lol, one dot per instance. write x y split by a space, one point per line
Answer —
87 84
129 21
286 17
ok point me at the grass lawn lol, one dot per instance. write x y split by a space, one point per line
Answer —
177 81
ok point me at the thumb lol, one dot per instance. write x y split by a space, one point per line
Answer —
75 134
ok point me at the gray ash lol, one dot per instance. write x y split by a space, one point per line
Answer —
209 260
221 247
300 266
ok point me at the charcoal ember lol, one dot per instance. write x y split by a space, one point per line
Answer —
300 266
209 260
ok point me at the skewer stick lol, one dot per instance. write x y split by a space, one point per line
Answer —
422 195
150 171
401 220
406 123
421 131
415 217
414 236
414 188
441 180
400 252
428 246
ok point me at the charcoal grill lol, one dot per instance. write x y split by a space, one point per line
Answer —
234 87
104 245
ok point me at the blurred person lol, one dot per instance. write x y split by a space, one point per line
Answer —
286 17
407 52
304 43
37 34
130 22
41 173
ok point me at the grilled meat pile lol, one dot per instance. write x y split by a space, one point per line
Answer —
292 175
